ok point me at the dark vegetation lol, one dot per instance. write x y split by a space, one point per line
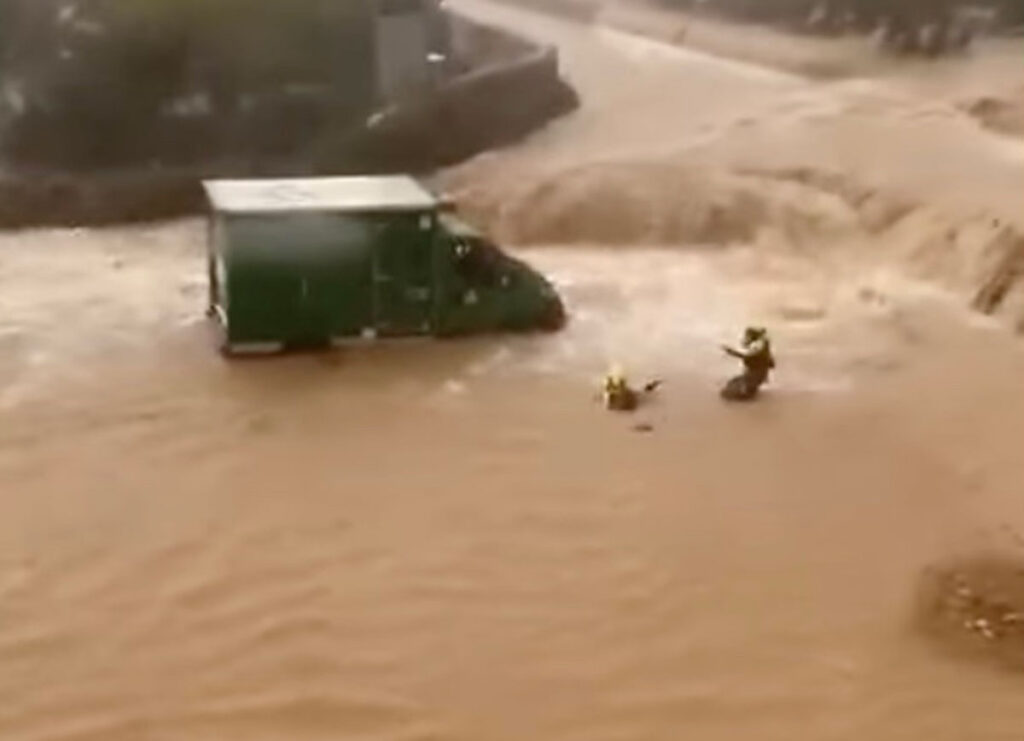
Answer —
115 110
91 83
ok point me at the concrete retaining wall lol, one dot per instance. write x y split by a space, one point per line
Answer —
72 200
475 45
482 109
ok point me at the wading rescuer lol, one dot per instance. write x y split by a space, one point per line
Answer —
758 362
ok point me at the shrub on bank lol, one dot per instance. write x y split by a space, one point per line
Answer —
105 84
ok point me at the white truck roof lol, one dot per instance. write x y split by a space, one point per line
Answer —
362 193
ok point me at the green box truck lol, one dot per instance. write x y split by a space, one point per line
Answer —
310 262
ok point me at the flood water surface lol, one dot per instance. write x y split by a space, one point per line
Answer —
453 541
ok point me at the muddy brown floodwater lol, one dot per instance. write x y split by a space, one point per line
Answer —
451 540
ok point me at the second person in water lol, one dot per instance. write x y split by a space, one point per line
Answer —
758 361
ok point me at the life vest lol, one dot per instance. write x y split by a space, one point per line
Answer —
617 393
759 357
614 384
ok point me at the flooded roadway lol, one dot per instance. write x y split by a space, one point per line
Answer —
452 541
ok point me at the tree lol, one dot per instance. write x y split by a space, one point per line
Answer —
106 72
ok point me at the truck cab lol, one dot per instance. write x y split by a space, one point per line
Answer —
489 289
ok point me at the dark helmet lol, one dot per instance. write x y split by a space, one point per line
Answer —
752 334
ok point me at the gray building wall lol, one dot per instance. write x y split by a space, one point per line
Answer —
406 34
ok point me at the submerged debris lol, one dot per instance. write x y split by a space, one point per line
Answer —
976 607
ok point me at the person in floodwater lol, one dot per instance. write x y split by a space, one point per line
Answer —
758 362
619 396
